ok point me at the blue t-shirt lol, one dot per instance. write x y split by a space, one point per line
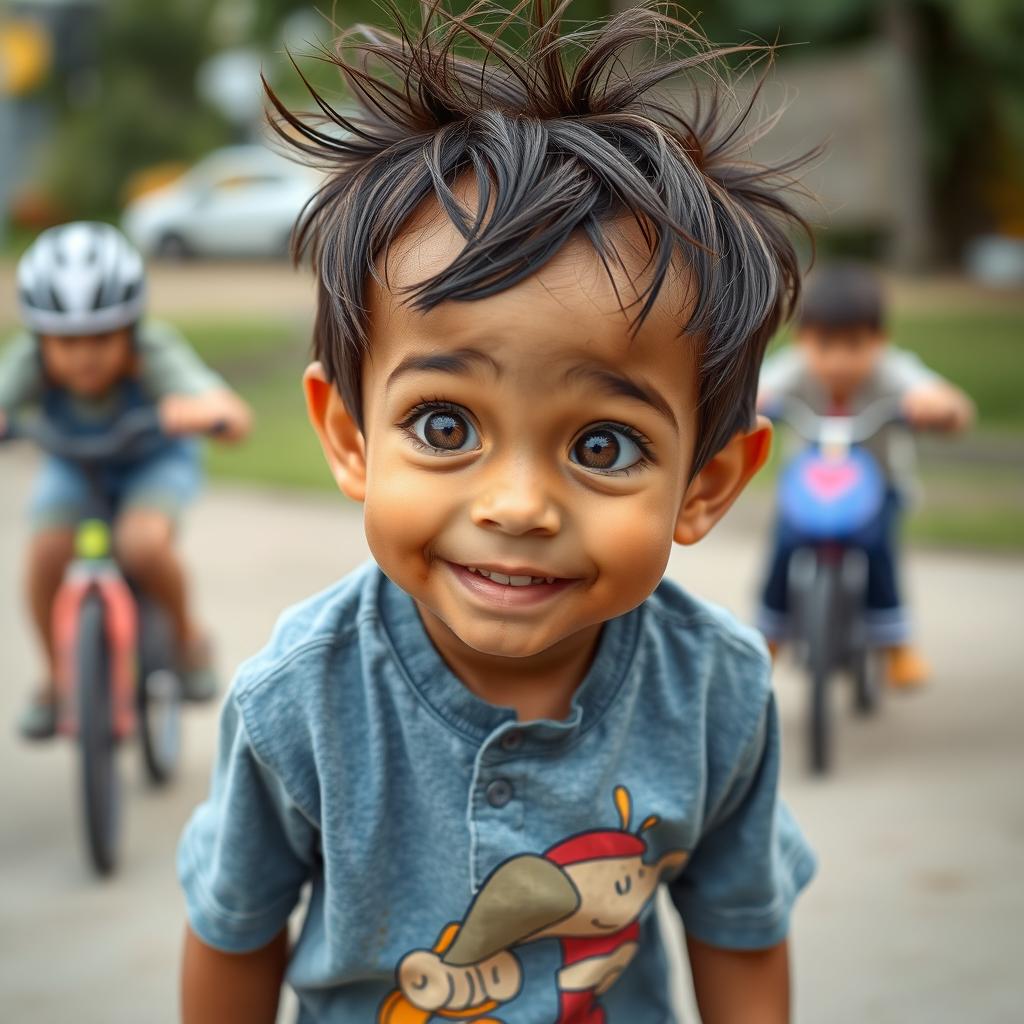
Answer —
465 865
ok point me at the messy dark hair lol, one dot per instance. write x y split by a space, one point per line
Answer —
843 296
563 132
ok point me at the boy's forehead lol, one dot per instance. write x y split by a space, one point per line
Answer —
429 243
571 301
849 334
116 335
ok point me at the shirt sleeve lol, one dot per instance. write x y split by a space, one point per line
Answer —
168 365
246 851
740 883
21 376
780 376
904 371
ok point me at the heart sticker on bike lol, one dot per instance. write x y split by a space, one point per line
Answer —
828 481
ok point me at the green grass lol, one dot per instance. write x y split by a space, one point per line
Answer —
983 352
283 450
243 346
996 528
970 505
264 361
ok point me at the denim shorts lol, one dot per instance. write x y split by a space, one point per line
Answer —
165 481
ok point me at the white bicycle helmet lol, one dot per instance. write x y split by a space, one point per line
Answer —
80 278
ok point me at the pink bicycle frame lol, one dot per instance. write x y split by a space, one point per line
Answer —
122 631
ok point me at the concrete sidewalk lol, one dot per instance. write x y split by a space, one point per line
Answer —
915 915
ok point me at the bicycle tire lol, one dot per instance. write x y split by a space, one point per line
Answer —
821 632
158 695
867 685
97 743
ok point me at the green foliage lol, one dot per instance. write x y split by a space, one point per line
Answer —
144 109
788 21
311 29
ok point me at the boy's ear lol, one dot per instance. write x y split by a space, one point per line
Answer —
340 436
720 482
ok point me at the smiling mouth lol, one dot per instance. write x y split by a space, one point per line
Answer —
511 579
511 586
604 927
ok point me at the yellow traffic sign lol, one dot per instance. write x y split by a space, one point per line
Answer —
25 56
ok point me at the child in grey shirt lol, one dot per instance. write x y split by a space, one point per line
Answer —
841 363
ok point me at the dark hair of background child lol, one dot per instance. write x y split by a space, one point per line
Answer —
563 132
841 297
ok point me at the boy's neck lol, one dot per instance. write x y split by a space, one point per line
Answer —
540 686
839 404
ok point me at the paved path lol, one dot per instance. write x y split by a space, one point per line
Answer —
199 289
915 915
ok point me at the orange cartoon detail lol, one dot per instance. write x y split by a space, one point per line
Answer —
587 891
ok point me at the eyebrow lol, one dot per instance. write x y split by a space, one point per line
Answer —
461 361
464 360
621 386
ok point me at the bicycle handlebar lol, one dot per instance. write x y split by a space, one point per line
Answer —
131 435
852 429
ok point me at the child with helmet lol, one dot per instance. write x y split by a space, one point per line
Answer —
86 357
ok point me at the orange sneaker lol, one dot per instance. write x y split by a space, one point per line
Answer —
905 668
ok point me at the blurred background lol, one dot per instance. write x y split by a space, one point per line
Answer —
151 117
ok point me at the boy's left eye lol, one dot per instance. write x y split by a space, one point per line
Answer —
608 449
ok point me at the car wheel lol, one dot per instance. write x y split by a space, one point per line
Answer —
173 247
284 247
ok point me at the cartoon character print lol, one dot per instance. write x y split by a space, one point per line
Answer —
587 891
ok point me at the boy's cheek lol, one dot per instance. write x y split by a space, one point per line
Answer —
630 540
404 511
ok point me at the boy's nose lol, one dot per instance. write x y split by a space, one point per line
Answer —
517 502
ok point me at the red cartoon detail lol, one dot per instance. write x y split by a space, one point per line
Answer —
587 892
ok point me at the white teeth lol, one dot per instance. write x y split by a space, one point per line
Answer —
511 581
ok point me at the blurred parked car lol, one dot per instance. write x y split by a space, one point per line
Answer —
238 201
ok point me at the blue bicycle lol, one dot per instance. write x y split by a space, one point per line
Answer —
828 496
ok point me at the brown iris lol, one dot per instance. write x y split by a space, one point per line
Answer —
598 449
445 430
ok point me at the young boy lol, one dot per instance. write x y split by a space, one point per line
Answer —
543 300
842 363
87 358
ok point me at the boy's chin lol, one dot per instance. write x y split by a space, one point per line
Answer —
502 642
90 389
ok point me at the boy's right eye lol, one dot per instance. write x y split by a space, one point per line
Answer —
444 430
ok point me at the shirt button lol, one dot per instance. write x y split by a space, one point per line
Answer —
499 792
512 740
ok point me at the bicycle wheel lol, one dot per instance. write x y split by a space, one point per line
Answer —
101 785
867 684
159 695
821 632
857 657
